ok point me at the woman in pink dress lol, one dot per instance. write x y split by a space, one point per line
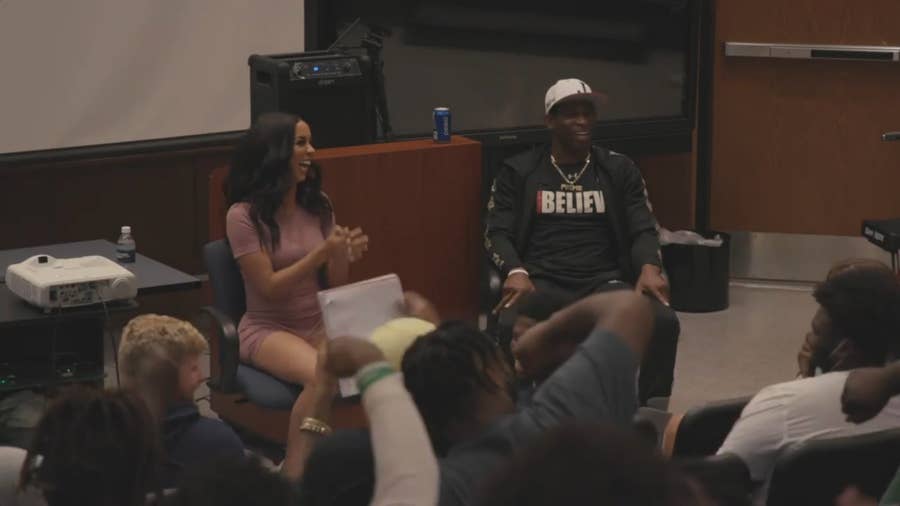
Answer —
282 232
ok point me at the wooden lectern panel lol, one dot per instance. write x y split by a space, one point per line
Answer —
420 204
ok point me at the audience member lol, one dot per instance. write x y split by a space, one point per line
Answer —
282 232
864 306
159 357
460 383
94 447
825 348
866 393
588 464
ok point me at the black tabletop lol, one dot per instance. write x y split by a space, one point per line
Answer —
152 277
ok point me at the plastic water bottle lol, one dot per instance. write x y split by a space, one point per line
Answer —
125 247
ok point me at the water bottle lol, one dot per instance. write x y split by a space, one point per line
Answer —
125 246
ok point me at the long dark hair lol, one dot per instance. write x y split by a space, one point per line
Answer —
94 447
260 175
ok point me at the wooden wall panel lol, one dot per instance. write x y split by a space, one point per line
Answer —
796 144
161 195
671 185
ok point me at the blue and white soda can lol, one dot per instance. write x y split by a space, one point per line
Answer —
441 117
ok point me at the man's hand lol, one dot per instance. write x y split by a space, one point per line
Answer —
347 355
417 306
336 242
516 285
866 392
541 349
653 283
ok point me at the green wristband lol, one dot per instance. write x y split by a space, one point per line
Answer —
372 374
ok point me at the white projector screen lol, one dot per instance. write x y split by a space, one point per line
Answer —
88 72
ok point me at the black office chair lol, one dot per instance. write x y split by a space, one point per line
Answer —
817 471
242 395
703 429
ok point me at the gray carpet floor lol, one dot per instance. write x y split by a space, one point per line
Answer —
751 344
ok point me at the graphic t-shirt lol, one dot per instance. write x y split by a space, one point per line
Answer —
571 237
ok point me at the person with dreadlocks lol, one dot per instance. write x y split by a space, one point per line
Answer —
94 447
584 356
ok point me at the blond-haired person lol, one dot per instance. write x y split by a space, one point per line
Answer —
159 357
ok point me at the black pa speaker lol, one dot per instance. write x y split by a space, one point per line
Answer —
330 91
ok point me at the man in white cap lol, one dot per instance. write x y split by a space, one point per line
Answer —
572 219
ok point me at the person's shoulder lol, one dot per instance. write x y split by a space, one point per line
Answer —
238 211
613 160
822 382
788 392
825 388
185 426
217 433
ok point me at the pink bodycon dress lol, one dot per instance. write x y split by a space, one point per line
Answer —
297 313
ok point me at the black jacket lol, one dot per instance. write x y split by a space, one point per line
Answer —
510 210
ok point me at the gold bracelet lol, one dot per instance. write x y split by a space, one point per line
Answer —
316 426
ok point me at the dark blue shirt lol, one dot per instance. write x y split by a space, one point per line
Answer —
190 439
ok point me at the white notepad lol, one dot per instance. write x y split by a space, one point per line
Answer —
356 310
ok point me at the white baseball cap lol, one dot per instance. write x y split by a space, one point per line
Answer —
568 89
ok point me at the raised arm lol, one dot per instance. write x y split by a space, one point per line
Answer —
406 470
867 391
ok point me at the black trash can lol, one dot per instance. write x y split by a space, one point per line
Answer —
698 275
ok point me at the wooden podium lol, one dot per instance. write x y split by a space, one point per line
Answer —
420 204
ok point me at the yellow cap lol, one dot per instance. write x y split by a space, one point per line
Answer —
395 336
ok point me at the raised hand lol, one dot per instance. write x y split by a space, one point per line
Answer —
357 244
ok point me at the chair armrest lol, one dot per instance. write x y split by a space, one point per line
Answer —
492 288
646 429
224 351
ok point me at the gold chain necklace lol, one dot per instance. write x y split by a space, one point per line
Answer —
570 181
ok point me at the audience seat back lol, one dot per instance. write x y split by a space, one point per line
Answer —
817 471
703 429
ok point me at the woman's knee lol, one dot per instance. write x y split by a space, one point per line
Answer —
287 356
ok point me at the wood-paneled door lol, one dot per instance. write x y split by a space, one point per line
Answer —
796 144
